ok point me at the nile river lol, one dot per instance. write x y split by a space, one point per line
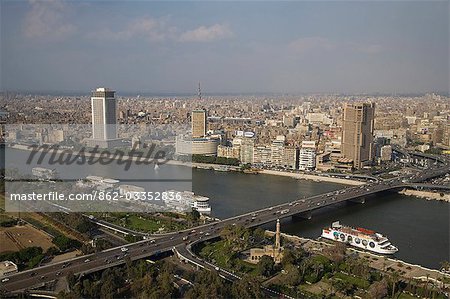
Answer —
419 228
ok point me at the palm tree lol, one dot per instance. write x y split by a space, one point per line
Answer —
395 275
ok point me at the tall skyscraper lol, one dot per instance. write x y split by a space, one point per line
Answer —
357 133
198 123
104 131
103 103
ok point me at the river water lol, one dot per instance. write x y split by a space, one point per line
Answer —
419 228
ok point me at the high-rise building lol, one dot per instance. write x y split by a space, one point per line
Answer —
246 149
261 155
357 133
446 137
277 151
103 103
104 130
307 157
198 123
290 157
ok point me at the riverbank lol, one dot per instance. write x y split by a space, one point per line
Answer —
375 261
317 178
428 195
221 168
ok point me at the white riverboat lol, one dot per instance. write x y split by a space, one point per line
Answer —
359 237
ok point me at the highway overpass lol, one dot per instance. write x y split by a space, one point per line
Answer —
115 256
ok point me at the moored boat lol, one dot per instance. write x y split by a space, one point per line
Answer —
359 237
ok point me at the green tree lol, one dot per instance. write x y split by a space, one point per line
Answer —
247 287
107 289
378 290
291 275
265 265
289 258
259 235
71 280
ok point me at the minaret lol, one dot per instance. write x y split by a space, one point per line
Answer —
277 236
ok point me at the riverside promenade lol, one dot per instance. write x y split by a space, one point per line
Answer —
317 178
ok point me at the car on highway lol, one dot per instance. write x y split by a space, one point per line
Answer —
87 260
5 279
124 249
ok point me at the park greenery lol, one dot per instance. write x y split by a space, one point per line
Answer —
141 279
151 223
331 274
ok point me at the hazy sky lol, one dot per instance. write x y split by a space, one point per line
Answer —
244 46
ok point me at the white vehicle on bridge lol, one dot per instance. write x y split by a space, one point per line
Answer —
124 249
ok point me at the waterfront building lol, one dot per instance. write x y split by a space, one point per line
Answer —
246 146
196 146
185 202
103 107
357 133
228 151
277 151
290 157
307 157
261 155
274 251
199 123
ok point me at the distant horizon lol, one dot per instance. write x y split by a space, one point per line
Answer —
215 94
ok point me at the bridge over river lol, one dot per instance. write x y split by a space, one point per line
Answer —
82 265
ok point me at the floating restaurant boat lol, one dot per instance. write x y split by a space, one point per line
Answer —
359 237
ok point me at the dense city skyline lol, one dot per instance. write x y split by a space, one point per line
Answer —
288 47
